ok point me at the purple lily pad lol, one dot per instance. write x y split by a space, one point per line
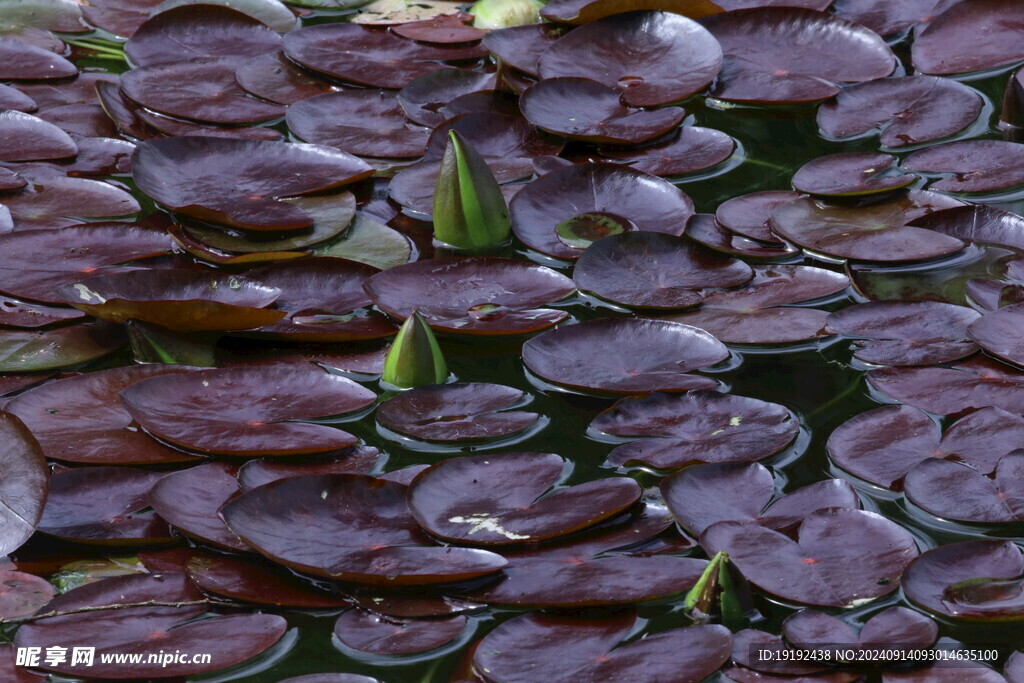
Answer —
100 157
198 89
125 114
354 460
783 665
81 90
850 174
521 47
456 412
698 426
652 58
423 98
886 18
190 499
975 165
24 486
80 419
945 46
646 202
10 384
874 232
748 215
22 594
587 11
24 137
892 630
907 333
80 120
34 350
975 383
842 558
507 141
56 201
762 66
661 356
998 332
103 505
940 581
364 122
250 581
374 634
512 498
188 301
584 109
236 182
757 313
454 27
554 647
12 98
182 33
171 126
960 492
702 495
654 270
687 150
247 411
371 56
474 296
705 229
909 110
1014 669
25 315
22 61
274 77
977 223
371 539
883 444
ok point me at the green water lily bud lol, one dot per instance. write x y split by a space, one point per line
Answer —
721 591
469 210
415 358
505 13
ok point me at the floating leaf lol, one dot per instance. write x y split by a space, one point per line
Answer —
24 486
850 174
23 61
975 165
456 412
520 47
424 97
887 18
972 384
24 137
371 633
181 33
749 214
587 11
30 351
960 492
945 46
190 499
251 581
274 77
354 460
688 149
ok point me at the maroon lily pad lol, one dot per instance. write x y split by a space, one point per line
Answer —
521 47
141 631
945 45
22 61
977 223
373 56
455 27
512 498
698 426
274 77
354 460
654 270
758 313
779 665
235 182
188 301
907 333
909 110
9 180
330 678
84 120
81 419
81 90
171 126
686 150
761 66
748 215
1014 669
424 97
584 109
875 232
12 98
886 18
371 539
940 580
554 647
31 350
10 384
100 157
24 486
960 492
57 201
374 634
364 122
24 137
190 499
998 332
705 229
456 412
410 604
652 58
842 558
199 89
125 114
850 174
972 384
644 202
255 410
182 33
661 354
702 495
891 631
586 11
595 568
883 444
15 313
975 165
507 141
251 581
22 594
103 505
475 296
120 17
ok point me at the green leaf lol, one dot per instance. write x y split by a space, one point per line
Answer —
469 210
155 344
415 358
720 591
584 229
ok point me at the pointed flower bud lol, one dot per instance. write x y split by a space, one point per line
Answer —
415 357
469 210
